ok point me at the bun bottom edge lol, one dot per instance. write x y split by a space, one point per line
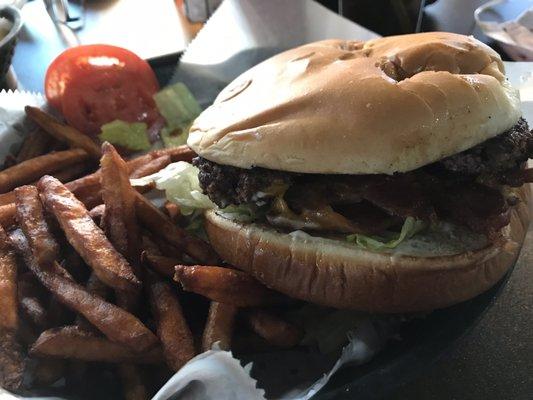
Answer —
362 280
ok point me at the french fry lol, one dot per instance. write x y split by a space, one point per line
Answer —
156 165
7 198
87 238
35 144
11 359
172 329
73 343
30 217
63 176
86 189
180 153
7 215
115 323
161 264
97 213
30 303
273 329
159 224
97 288
226 285
8 285
12 363
46 372
62 132
132 382
120 219
219 326
30 170
72 172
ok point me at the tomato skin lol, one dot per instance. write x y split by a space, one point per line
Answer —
95 84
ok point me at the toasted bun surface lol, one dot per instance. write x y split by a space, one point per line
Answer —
387 105
337 274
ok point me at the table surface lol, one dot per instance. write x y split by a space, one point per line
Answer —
494 361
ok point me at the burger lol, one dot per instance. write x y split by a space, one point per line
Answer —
382 176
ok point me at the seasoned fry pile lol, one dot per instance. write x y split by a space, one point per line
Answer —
94 277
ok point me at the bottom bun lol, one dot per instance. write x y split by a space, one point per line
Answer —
338 274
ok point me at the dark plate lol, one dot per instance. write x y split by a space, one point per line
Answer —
422 342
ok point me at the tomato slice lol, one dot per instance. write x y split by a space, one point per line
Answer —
96 84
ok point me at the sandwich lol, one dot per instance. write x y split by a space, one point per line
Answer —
381 176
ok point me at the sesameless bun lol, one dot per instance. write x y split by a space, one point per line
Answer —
383 106
341 275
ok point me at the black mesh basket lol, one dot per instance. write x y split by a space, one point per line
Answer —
7 44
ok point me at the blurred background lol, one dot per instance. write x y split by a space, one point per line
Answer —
159 30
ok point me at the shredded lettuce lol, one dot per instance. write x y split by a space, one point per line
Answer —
180 183
179 108
389 240
174 137
132 136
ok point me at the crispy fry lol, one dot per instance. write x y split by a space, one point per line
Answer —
73 262
219 326
152 167
159 224
72 172
30 170
132 382
273 329
97 288
226 285
149 245
120 219
180 153
45 372
64 133
73 343
161 264
86 189
8 285
11 362
35 144
87 238
7 215
7 198
117 324
172 329
63 176
30 217
30 303
97 213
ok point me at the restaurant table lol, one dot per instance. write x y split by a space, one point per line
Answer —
492 361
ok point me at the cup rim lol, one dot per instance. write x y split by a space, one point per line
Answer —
12 14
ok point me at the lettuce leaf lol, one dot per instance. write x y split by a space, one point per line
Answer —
178 106
389 240
180 182
174 137
132 136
